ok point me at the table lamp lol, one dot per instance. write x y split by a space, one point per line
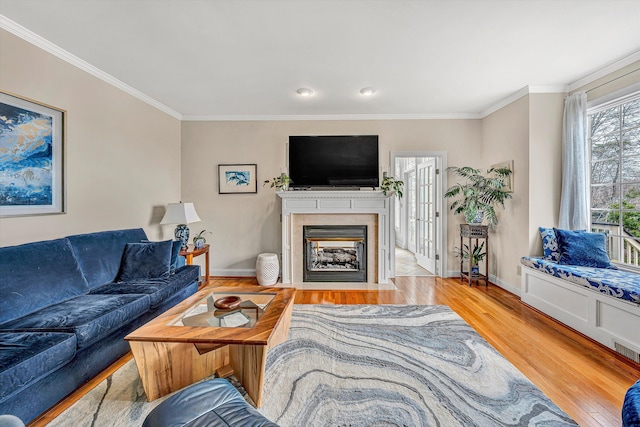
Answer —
181 214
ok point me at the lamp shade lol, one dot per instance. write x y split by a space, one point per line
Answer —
180 213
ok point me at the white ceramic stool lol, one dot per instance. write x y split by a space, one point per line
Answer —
267 269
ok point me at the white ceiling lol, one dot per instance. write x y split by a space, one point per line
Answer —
243 59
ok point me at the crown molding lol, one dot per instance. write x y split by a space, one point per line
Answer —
519 94
604 71
38 41
444 116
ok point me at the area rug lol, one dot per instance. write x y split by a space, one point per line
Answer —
364 365
394 365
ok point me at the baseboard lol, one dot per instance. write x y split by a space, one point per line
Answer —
506 286
493 279
233 272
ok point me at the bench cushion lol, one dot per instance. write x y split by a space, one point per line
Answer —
27 357
620 284
159 290
35 275
90 317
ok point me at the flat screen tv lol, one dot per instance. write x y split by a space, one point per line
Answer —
333 161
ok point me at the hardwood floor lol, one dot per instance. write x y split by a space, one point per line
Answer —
582 377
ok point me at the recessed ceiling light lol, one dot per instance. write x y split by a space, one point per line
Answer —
303 91
367 91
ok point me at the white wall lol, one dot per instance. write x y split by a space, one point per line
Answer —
247 224
122 155
505 136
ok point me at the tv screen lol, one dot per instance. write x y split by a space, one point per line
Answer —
333 161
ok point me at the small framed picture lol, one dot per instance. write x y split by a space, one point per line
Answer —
31 157
508 187
234 179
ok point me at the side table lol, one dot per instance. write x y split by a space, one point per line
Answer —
191 252
474 232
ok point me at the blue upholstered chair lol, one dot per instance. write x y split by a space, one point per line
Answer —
210 403
631 406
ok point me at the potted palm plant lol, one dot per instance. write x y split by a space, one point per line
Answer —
479 193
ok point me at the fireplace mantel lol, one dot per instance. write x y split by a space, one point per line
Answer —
340 203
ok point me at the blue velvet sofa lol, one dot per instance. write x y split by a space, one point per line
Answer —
66 305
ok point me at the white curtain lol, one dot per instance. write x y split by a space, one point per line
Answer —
574 204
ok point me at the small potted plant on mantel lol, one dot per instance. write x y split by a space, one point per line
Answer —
280 183
479 193
390 183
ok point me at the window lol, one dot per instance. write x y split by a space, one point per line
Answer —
615 176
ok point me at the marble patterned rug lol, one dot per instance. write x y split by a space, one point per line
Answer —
364 365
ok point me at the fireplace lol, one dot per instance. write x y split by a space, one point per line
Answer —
335 253
371 209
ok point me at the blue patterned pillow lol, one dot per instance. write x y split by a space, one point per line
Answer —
583 249
549 244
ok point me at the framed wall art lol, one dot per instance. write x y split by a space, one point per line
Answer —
31 157
509 182
233 179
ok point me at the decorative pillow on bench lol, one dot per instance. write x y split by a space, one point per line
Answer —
147 260
583 249
549 244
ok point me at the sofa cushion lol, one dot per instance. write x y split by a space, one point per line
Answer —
35 275
159 290
148 260
27 357
583 249
176 260
90 317
100 254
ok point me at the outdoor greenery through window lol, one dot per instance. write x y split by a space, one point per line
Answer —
615 177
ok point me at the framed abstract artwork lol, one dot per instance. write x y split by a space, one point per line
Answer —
233 179
509 182
31 157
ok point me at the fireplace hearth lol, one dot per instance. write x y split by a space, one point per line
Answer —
335 253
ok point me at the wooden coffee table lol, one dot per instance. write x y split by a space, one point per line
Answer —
193 340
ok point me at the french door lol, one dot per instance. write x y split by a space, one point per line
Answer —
426 212
412 205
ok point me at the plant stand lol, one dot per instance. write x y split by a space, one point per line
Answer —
471 232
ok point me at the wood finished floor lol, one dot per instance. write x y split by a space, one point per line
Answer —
582 377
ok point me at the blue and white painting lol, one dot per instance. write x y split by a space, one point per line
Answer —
29 178
237 179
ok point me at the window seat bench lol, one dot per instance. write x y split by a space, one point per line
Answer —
601 303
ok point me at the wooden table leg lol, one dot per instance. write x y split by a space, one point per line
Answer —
206 278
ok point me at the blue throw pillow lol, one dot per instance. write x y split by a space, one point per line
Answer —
549 244
583 249
145 261
175 252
